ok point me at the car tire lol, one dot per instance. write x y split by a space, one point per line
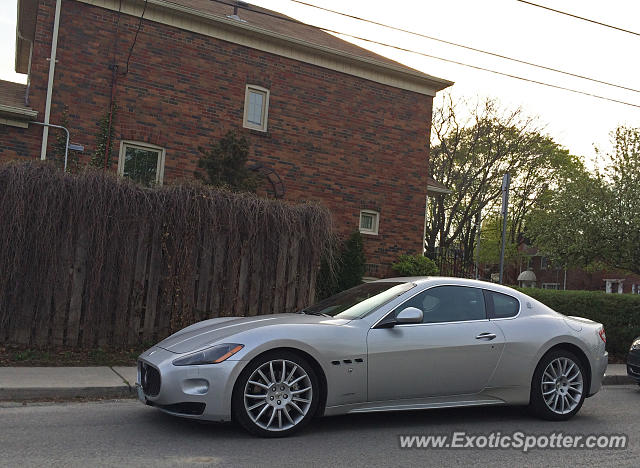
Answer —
559 386
276 394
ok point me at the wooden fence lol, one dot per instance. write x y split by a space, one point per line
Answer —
149 278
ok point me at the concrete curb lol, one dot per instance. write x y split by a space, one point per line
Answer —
617 380
69 393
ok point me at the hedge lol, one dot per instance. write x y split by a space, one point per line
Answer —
619 313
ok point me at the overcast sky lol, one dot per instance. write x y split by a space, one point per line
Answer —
507 27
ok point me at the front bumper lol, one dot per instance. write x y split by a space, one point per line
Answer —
200 392
633 365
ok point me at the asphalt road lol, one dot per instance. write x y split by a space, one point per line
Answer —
126 433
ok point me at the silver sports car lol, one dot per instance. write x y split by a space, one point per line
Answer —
393 344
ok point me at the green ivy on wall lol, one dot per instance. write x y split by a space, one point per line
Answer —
104 137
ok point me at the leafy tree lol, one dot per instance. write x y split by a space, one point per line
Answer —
491 242
594 219
225 164
348 270
415 265
623 220
568 225
470 157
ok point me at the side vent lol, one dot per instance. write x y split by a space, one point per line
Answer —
348 361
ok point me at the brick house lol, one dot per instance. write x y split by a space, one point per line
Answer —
327 121
536 270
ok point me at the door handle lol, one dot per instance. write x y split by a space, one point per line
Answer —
486 336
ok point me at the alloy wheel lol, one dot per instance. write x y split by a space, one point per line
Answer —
562 385
278 395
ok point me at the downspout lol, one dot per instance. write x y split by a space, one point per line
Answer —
424 231
52 69
26 93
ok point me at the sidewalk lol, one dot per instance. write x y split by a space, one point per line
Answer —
32 383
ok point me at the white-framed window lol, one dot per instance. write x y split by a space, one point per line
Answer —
550 285
256 108
369 221
141 162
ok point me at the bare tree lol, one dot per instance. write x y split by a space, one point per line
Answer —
470 157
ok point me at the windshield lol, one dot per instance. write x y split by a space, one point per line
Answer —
360 301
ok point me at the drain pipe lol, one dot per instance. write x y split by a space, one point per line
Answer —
52 69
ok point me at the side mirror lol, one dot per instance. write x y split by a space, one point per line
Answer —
409 315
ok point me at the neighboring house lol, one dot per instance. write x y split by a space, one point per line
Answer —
326 120
535 270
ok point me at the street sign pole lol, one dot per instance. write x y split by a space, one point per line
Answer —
478 227
66 146
506 180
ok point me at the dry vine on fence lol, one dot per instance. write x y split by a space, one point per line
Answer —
91 259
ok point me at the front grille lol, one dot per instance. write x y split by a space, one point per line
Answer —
633 370
149 379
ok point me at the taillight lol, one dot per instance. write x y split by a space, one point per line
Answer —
602 335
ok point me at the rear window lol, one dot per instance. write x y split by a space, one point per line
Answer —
501 305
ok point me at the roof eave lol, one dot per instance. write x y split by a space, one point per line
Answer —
260 38
438 84
438 190
25 31
20 113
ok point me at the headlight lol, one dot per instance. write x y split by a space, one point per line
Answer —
212 355
635 345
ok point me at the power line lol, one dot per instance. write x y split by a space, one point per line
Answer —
575 75
509 75
563 88
579 17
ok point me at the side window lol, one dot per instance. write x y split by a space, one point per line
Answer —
141 162
256 108
501 305
448 304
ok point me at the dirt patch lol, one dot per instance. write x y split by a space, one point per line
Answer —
11 356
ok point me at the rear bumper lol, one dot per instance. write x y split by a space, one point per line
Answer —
598 368
197 392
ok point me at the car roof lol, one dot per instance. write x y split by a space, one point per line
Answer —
420 280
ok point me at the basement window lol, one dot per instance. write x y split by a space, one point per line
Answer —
369 222
141 162
256 108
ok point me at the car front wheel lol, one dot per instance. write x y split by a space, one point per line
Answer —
558 386
276 394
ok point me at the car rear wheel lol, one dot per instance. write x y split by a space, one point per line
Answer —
558 386
276 394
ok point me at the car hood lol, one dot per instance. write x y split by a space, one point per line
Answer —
209 332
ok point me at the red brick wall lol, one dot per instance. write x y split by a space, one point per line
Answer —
338 139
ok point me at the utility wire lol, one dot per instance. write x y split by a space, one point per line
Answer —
578 17
575 75
542 83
